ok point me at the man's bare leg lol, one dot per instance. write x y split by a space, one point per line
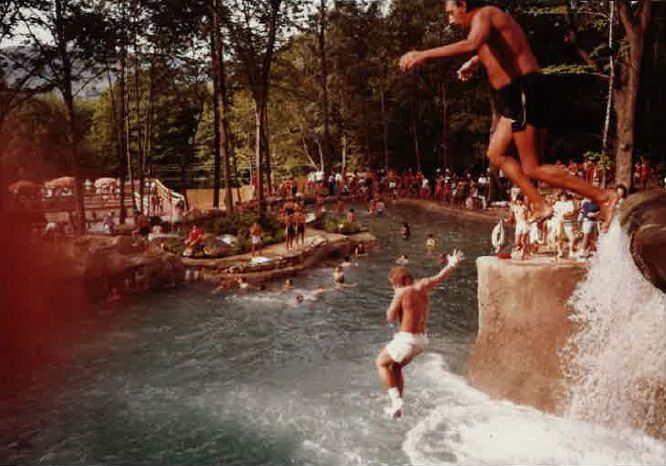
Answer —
530 143
499 143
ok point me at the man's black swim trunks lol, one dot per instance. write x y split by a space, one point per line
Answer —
525 102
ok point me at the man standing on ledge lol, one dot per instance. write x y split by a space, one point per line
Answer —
410 308
497 42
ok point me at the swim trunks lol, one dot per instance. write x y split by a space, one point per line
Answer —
405 344
525 102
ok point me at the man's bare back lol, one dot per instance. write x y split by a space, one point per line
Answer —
505 54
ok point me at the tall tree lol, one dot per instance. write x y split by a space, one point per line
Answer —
635 19
220 100
68 52
255 28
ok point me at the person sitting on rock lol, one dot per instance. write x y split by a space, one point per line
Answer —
114 296
194 238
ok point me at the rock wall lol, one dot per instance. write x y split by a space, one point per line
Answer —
643 217
523 323
100 262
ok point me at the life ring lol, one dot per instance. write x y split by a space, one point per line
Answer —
498 236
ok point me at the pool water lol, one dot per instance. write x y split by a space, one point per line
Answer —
186 377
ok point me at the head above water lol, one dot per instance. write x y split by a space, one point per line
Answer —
400 277
461 12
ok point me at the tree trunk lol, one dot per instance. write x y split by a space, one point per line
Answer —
611 80
443 142
68 97
128 151
259 172
626 94
413 126
495 188
225 130
382 102
324 79
267 146
344 151
216 106
120 134
148 133
137 111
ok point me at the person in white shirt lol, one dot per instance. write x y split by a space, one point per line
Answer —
563 223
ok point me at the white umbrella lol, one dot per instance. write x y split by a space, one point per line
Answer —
105 182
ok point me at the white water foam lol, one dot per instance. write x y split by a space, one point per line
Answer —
617 363
467 427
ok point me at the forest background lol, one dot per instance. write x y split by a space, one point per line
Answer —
208 93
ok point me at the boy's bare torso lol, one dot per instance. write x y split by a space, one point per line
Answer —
414 304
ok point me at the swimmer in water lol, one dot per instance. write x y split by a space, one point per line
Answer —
402 260
288 285
339 277
409 308
405 231
347 262
243 284
430 242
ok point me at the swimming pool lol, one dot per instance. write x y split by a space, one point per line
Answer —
245 379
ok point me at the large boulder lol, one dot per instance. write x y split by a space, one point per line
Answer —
214 247
643 217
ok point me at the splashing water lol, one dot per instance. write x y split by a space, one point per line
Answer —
617 360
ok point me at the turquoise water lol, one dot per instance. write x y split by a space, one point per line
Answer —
184 377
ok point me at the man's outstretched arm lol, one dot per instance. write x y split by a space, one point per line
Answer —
454 259
478 35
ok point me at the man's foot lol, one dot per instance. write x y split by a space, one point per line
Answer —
540 214
393 412
608 209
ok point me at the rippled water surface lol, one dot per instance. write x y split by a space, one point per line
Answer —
186 377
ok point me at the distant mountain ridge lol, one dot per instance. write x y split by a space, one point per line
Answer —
88 87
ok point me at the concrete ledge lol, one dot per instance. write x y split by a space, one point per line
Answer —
523 324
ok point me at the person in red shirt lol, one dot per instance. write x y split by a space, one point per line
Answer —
194 238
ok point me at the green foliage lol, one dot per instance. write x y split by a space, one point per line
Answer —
337 225
603 161
167 45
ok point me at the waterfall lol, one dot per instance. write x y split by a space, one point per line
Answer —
615 363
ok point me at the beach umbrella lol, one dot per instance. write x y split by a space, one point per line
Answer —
23 185
62 182
105 182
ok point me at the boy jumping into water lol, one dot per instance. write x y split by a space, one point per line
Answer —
497 42
410 308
